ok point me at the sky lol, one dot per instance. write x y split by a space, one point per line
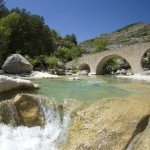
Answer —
86 18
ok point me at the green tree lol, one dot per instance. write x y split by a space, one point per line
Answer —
63 53
72 38
3 10
34 36
28 34
76 52
7 25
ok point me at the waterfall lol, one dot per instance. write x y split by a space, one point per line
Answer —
12 109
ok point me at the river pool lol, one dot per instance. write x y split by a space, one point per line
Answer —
91 88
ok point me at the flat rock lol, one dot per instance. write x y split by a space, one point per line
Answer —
9 84
109 124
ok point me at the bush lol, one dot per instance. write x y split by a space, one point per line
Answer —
99 46
52 62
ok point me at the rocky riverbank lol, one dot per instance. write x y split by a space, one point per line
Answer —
32 75
140 77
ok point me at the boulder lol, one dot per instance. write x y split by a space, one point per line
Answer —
123 71
129 73
16 64
61 65
9 84
23 110
28 107
109 124
118 72
60 72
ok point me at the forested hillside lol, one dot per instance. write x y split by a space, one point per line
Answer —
27 34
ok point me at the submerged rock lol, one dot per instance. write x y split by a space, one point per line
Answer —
16 64
8 84
109 124
74 78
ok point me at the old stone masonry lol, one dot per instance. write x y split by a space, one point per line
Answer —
132 54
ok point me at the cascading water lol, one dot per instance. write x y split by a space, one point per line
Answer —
48 137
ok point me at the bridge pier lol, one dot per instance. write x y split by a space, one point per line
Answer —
136 67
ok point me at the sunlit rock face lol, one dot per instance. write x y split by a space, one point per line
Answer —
28 107
109 124
16 64
22 110
9 84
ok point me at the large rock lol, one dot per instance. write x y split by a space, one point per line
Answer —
28 107
61 65
110 124
22 110
9 84
16 64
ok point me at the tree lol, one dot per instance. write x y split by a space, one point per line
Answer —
3 9
63 54
76 52
28 33
72 38
33 37
7 25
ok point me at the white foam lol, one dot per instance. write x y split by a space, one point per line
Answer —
35 138
136 77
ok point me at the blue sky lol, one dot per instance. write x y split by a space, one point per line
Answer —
86 18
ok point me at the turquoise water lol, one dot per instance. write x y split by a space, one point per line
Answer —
91 88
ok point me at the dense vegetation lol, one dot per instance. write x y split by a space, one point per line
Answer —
27 34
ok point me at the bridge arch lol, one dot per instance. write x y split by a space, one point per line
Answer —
132 54
104 60
84 66
145 60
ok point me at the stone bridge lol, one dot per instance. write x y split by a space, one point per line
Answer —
95 62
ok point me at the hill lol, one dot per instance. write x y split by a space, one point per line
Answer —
128 35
